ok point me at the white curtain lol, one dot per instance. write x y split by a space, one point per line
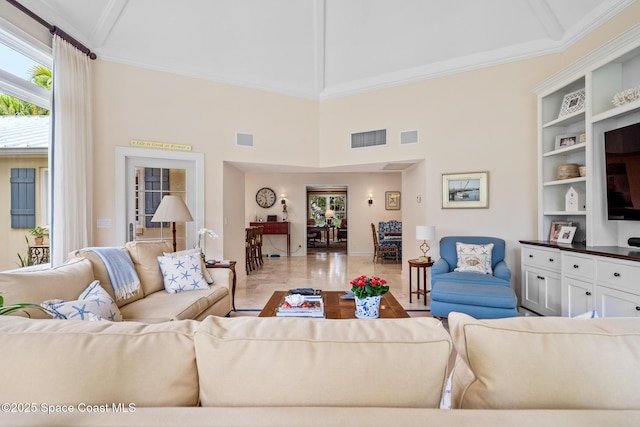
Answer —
71 159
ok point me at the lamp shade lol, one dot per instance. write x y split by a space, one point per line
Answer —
425 232
329 213
172 209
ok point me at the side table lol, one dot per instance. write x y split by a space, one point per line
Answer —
232 267
418 265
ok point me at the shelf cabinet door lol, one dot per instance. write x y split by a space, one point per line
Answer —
541 291
578 297
615 303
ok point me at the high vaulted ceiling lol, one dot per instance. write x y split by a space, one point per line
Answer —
320 49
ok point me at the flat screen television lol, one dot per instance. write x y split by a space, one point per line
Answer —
622 154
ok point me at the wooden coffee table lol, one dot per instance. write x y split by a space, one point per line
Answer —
339 308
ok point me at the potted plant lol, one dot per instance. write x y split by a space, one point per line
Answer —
8 309
367 292
38 233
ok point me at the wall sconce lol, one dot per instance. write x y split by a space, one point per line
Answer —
370 199
424 233
283 202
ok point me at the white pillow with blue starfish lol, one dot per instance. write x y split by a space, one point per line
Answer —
476 258
94 303
182 274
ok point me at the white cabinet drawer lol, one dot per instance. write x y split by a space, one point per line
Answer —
545 258
573 265
619 275
616 303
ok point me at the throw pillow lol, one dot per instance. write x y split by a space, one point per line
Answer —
94 303
203 267
476 258
182 273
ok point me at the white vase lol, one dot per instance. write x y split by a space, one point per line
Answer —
368 308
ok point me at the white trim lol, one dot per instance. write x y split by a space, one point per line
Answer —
124 153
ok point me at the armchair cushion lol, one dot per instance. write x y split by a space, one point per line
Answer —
474 258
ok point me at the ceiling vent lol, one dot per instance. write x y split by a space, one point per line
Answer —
369 139
409 137
244 139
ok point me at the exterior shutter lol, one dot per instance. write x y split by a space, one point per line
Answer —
23 197
156 186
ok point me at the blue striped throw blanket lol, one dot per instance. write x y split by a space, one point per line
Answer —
124 280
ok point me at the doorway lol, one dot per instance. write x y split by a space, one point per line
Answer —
327 225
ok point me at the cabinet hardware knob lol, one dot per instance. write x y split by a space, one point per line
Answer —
540 278
637 308
616 274
530 256
587 293
550 259
576 266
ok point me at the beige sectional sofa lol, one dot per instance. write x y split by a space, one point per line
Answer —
249 371
151 303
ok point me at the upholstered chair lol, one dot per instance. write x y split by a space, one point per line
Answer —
472 277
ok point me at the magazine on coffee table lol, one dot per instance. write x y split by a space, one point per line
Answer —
310 306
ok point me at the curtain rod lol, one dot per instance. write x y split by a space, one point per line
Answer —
54 30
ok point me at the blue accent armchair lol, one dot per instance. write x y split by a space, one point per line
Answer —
483 296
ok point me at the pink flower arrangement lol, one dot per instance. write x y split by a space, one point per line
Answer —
365 286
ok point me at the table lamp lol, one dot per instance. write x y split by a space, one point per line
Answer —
329 215
172 209
424 233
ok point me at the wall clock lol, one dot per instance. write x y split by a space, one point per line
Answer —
265 197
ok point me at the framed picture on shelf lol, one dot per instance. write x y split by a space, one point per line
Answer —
572 103
465 190
567 140
566 234
392 200
554 233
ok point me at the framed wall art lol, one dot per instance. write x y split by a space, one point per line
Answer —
572 103
465 190
392 200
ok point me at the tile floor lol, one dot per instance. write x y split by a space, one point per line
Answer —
327 271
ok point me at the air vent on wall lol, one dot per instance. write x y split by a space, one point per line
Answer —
409 137
369 139
244 139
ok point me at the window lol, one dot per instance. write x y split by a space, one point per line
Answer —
320 203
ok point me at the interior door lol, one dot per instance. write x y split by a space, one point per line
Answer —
147 181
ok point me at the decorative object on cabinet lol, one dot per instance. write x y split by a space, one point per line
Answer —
568 170
265 197
465 190
582 170
392 200
566 234
574 200
555 229
566 140
626 96
572 103
582 137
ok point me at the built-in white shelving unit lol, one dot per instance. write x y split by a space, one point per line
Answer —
610 69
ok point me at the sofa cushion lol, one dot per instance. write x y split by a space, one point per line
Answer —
94 303
321 362
161 306
98 363
474 258
101 274
182 273
144 255
203 266
545 363
34 286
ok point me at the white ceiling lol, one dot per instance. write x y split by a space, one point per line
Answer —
320 49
